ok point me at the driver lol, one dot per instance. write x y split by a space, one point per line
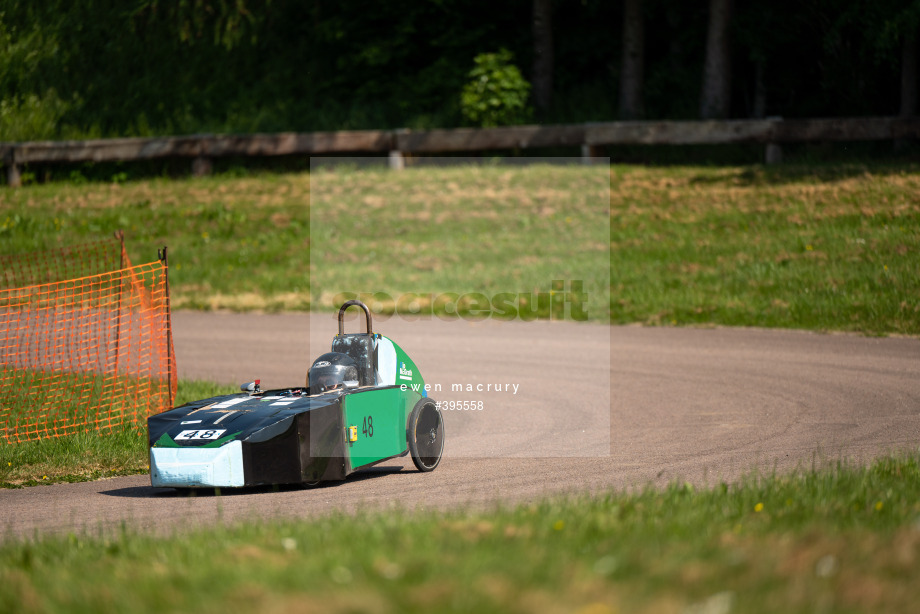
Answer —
332 371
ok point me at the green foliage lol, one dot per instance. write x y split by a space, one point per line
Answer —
228 22
30 108
30 117
496 93
108 68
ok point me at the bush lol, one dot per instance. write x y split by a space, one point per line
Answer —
31 118
497 94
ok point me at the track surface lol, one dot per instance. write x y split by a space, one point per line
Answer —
595 408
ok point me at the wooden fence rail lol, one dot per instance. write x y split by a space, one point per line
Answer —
202 148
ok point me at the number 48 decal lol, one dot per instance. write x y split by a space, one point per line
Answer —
200 434
368 428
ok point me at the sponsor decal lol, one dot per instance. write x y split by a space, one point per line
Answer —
283 402
190 422
404 373
165 441
230 403
322 363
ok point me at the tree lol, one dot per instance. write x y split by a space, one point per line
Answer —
909 76
227 23
759 31
543 56
633 62
715 99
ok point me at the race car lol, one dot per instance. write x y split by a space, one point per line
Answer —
364 402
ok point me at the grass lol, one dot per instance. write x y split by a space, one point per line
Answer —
38 401
461 230
88 455
840 538
830 248
226 237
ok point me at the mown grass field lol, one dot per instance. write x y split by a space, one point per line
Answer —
461 230
838 539
813 247
827 248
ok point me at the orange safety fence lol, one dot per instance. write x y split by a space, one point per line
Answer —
62 263
89 353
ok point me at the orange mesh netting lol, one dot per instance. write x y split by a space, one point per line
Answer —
62 263
88 353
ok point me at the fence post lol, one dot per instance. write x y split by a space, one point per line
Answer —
397 160
120 235
397 155
774 153
590 153
201 166
172 375
13 178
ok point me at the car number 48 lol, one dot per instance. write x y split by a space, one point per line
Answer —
200 434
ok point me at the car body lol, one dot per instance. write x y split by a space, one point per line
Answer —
302 436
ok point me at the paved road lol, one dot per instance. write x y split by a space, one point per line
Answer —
579 408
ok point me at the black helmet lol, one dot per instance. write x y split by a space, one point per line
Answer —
332 370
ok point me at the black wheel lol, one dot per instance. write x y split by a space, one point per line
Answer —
425 433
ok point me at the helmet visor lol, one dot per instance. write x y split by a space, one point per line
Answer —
332 377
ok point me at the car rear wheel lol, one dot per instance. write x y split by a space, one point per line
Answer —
425 433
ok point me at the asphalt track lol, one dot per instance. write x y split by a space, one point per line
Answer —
595 408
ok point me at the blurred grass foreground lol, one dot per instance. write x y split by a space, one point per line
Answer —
836 537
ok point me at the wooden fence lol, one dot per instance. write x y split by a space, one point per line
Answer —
591 137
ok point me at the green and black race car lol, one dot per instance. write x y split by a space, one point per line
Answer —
365 402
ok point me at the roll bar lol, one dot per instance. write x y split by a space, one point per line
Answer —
367 315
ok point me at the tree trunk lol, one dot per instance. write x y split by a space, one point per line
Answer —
760 92
542 27
715 99
909 76
633 66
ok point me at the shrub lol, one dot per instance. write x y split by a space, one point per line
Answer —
496 94
31 118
